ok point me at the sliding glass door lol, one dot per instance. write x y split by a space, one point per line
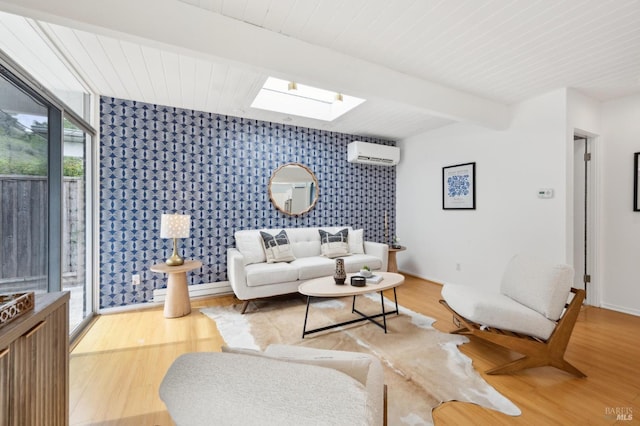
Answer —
75 243
45 208
24 190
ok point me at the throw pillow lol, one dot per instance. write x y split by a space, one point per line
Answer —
277 247
356 241
334 245
249 243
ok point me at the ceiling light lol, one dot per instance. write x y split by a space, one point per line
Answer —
290 98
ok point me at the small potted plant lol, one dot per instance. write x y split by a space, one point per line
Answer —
396 242
365 271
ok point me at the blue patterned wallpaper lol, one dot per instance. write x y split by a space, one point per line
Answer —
158 159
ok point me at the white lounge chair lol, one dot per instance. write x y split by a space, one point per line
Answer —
530 315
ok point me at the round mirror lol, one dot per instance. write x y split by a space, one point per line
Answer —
293 189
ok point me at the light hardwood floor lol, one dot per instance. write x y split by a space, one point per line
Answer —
117 367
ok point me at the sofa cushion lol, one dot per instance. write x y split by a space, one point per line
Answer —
356 241
277 247
305 242
496 310
334 245
249 243
270 273
540 286
314 267
355 262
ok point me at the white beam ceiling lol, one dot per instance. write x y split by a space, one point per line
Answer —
182 29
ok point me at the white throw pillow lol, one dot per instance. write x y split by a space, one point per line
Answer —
334 245
356 241
277 247
249 244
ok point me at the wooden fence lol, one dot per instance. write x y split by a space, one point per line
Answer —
23 232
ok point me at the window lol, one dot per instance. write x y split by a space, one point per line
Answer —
45 210
75 242
24 190
307 101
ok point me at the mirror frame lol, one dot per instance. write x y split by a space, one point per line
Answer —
315 181
636 187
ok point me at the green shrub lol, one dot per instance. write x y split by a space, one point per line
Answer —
72 166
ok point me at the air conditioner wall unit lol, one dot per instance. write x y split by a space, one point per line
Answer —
372 153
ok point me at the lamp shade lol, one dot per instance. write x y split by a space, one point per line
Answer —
175 226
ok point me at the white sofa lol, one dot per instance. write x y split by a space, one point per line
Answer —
251 277
284 385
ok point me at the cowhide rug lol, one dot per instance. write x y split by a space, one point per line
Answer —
423 366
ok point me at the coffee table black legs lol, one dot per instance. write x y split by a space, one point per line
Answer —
363 317
306 314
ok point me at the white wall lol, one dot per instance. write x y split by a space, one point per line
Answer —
621 225
509 218
536 151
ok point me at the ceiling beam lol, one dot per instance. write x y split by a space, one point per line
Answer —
180 27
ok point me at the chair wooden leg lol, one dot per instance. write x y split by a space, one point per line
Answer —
244 306
537 361
568 367
384 407
517 365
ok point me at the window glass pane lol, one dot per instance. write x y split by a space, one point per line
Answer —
23 191
74 237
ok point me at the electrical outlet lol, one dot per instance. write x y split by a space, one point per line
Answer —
458 268
135 279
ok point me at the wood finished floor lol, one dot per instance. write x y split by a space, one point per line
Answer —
117 367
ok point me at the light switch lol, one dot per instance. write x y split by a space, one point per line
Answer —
545 193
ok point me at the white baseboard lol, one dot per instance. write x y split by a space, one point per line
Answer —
424 277
621 309
128 308
197 290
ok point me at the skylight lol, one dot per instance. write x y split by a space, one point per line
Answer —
305 101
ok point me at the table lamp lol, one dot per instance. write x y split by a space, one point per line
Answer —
175 226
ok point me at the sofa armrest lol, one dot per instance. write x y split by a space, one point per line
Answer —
236 273
378 250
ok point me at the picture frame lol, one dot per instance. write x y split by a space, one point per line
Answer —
636 176
459 187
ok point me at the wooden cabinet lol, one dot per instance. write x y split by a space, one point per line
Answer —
34 364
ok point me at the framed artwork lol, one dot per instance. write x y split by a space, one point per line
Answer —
636 189
459 187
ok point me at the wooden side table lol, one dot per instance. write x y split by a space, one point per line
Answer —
392 262
177 303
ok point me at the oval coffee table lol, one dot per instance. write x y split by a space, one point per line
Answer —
326 287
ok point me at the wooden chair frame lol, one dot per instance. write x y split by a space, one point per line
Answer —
537 352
